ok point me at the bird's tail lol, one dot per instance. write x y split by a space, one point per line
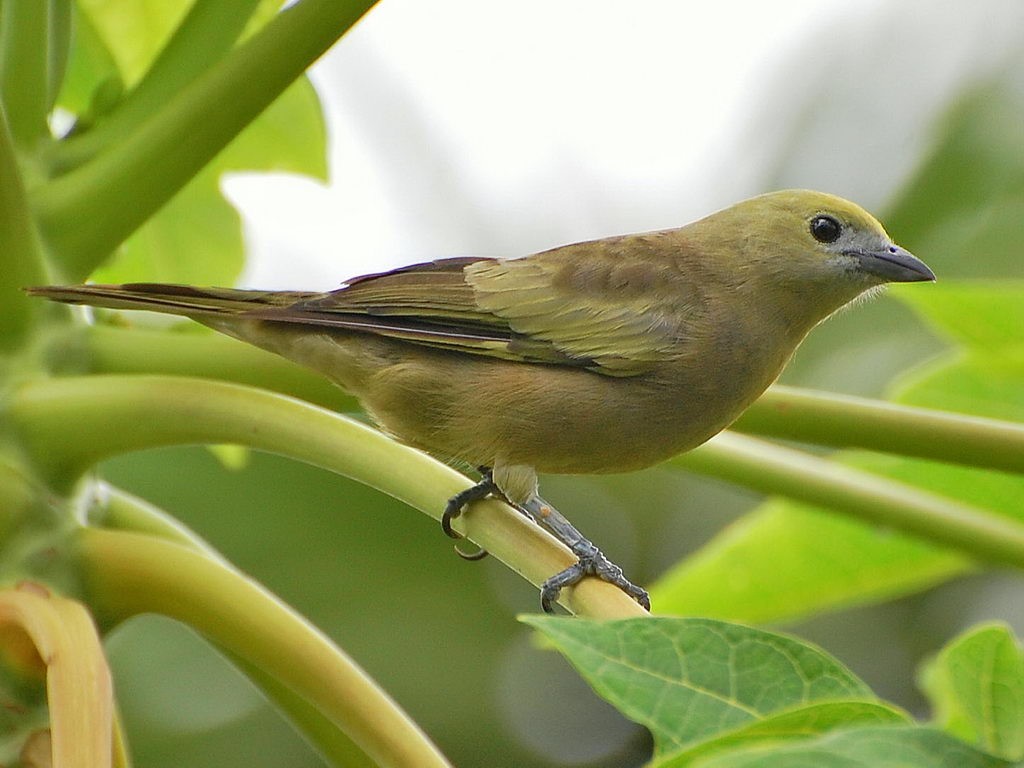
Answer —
169 298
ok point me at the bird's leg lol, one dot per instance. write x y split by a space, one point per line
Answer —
591 562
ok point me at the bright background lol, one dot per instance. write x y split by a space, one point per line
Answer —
464 127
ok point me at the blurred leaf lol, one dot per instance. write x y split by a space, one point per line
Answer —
870 747
985 315
984 385
967 199
289 137
976 686
134 32
689 680
785 560
986 378
799 723
197 236
231 456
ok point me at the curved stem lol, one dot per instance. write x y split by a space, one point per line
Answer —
317 727
772 469
128 573
119 510
58 49
23 262
70 424
24 65
88 211
843 421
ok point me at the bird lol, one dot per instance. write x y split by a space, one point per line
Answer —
603 356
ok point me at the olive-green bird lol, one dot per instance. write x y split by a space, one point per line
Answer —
603 356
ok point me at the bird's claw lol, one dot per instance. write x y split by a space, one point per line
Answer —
592 563
479 554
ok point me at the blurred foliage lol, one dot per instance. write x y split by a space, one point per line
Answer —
438 633
197 236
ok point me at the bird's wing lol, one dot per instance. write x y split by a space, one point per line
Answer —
617 302
605 315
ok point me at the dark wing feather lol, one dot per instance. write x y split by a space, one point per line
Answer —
429 304
617 306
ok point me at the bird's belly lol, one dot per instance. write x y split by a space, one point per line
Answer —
556 419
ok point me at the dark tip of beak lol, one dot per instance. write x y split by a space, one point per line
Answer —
895 265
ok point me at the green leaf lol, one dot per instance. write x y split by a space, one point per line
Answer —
976 686
987 377
983 385
965 206
799 723
690 680
870 747
134 32
984 315
197 236
786 560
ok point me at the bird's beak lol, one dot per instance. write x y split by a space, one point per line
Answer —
894 264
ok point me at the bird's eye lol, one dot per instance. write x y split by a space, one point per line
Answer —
825 229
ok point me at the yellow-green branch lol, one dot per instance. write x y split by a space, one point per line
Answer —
131 573
70 424
773 469
842 421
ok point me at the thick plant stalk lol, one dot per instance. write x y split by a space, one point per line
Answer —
773 469
843 421
131 573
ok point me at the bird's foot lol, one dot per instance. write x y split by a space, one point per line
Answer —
594 564
457 505
591 561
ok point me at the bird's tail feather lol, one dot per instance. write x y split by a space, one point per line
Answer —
169 298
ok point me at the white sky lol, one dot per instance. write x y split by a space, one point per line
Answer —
468 127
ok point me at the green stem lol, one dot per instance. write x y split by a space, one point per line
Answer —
205 35
87 212
70 424
58 48
119 510
843 421
319 730
127 574
22 255
24 64
110 349
772 469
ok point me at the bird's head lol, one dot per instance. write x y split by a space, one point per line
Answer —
810 246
